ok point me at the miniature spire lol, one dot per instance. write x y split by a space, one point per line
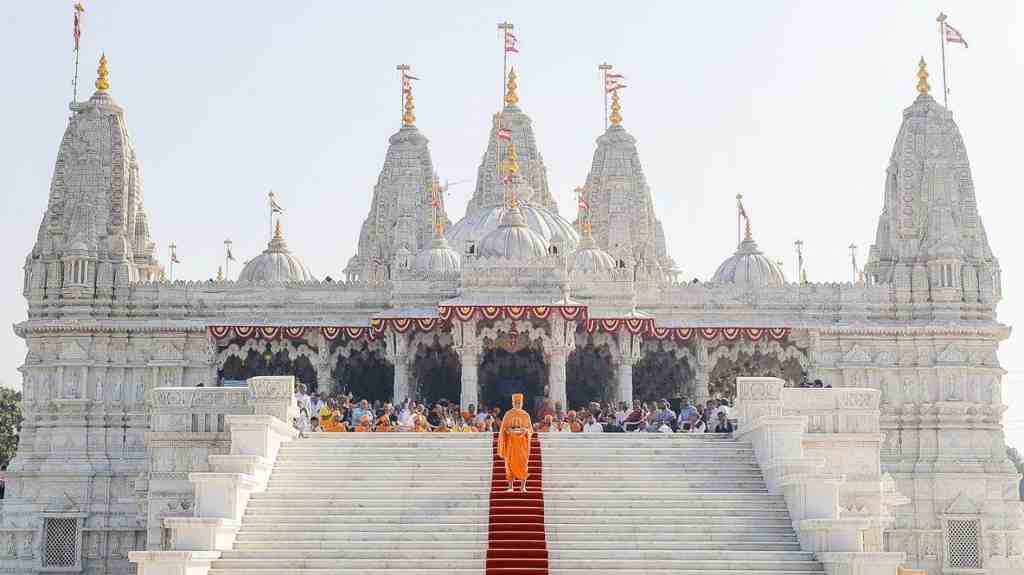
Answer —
435 203
511 97
616 116
922 77
409 117
220 273
103 75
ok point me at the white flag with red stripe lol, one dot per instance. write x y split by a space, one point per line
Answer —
511 43
953 35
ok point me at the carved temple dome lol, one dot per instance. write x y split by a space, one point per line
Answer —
749 266
513 239
439 261
276 264
591 259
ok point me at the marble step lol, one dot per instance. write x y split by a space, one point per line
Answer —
386 561
318 523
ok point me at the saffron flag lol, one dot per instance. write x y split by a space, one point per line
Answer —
610 77
174 258
739 206
953 35
231 256
78 23
504 134
614 87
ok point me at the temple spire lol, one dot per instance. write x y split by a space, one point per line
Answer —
922 77
103 75
511 97
616 116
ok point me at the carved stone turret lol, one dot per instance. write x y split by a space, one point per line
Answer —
401 217
930 242
94 235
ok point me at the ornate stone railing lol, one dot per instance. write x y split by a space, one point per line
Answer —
258 418
820 448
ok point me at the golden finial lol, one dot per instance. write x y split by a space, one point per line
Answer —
803 276
922 77
511 98
103 75
220 273
409 117
510 167
277 230
747 235
616 116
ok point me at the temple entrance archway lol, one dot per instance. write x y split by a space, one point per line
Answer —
266 358
664 372
590 375
365 373
503 372
436 373
784 364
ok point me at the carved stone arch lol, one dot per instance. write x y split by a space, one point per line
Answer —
436 370
590 371
524 329
666 370
362 368
757 359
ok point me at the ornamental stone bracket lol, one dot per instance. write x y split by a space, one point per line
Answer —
398 349
837 497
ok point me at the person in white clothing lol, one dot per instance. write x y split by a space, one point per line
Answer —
591 425
696 425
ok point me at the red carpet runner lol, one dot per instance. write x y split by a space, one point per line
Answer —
515 539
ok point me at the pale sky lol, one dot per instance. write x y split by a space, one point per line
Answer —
794 104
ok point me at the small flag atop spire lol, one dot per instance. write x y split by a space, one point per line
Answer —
79 9
103 75
275 208
953 35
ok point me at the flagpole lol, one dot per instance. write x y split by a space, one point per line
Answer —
227 258
942 43
799 260
74 83
174 256
739 219
402 68
504 27
604 90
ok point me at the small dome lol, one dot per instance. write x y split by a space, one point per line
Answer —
749 266
590 259
439 260
513 239
275 264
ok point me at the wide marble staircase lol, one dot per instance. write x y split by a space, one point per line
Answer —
663 503
404 504
369 503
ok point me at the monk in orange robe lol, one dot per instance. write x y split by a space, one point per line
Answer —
332 425
574 423
514 443
419 423
548 424
383 424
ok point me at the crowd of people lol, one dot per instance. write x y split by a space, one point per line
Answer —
319 412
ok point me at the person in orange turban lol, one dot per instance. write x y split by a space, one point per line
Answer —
333 425
514 443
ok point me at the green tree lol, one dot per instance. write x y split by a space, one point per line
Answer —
10 424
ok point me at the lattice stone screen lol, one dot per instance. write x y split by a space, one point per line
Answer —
60 542
963 539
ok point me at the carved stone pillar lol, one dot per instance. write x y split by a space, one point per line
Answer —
557 356
468 346
629 353
398 353
324 381
557 348
702 373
